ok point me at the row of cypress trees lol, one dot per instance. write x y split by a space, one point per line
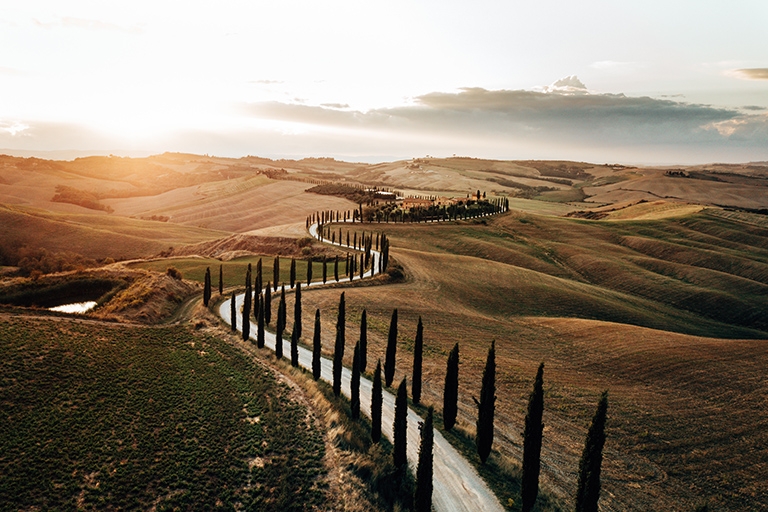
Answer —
588 489
416 214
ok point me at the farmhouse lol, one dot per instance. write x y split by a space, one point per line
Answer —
416 202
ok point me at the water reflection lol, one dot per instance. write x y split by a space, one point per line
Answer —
79 307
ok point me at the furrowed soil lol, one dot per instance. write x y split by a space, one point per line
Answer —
668 315
107 417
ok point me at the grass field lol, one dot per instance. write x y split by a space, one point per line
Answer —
106 417
234 270
650 310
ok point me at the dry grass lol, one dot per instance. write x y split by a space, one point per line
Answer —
97 236
686 417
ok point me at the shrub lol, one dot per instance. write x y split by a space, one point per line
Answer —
174 273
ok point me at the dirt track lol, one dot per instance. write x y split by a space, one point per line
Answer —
457 486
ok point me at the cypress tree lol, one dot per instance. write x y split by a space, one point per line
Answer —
247 305
268 304
293 272
487 406
355 383
297 311
363 341
316 348
376 399
422 500
233 311
259 278
451 392
532 438
247 315
275 272
325 270
260 326
338 354
221 279
418 349
294 350
588 488
309 272
280 327
207 287
389 362
400 428
336 268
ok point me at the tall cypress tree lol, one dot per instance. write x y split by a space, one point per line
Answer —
487 406
451 392
355 383
297 311
588 488
336 268
247 315
294 350
400 428
325 270
418 350
275 272
422 500
260 326
293 272
207 287
316 348
233 311
247 299
259 278
389 362
338 354
309 272
268 304
532 438
280 327
376 400
221 279
363 341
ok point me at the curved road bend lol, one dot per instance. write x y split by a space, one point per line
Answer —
457 486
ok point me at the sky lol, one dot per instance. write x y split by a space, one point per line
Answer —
640 82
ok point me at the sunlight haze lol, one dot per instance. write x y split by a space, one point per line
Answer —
662 82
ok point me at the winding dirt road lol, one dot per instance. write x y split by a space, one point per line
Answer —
457 486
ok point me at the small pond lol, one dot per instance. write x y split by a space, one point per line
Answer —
78 307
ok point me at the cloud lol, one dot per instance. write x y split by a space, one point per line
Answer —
749 73
266 82
744 128
335 105
13 127
558 120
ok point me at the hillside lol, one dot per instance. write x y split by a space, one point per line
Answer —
163 419
649 282
642 308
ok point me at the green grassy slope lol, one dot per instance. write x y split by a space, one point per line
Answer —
106 417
